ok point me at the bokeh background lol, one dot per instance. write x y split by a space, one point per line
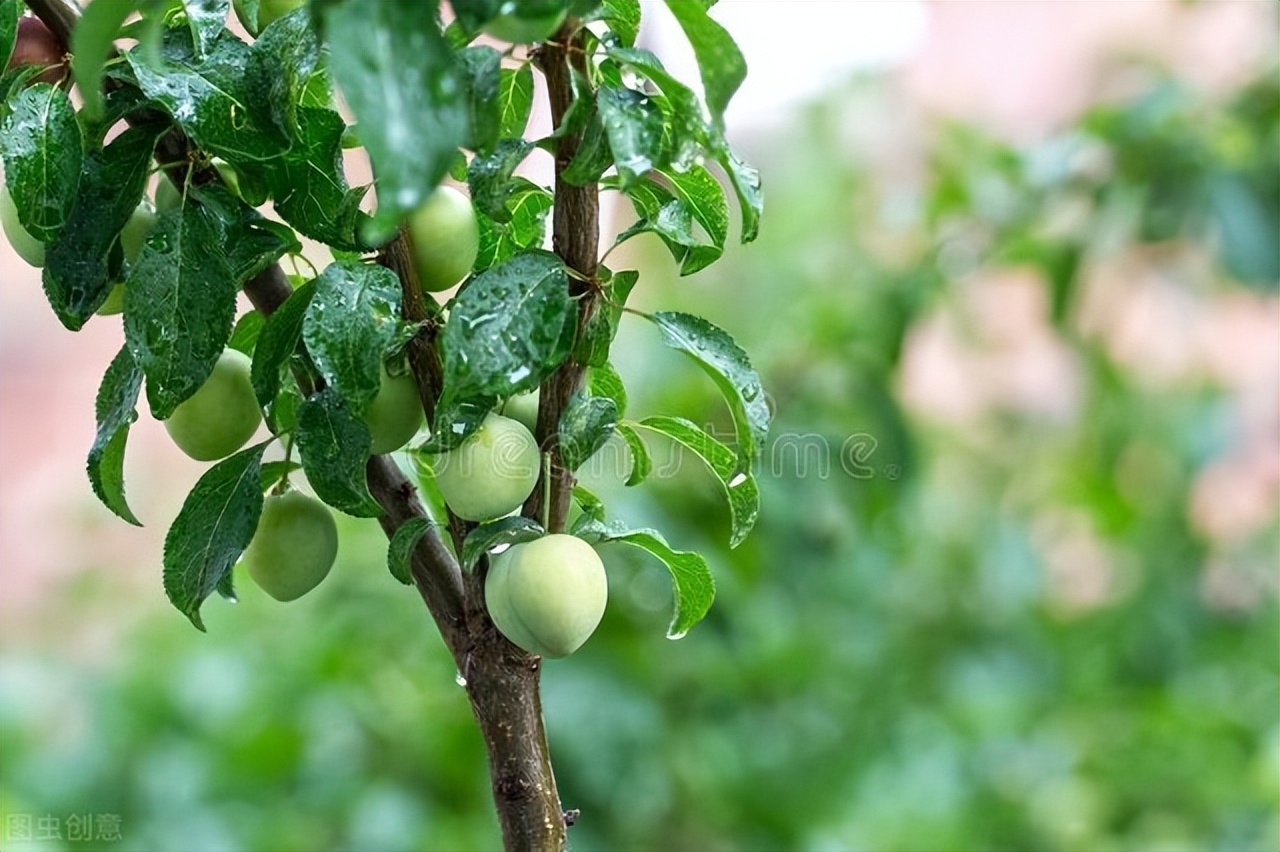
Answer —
1015 583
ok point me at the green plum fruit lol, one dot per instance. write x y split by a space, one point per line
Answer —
490 473
222 415
168 196
445 239
132 238
395 415
547 595
28 247
294 547
524 409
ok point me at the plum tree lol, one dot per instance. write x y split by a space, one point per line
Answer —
528 27
491 472
27 247
132 239
222 415
36 45
445 239
547 595
395 415
523 408
294 546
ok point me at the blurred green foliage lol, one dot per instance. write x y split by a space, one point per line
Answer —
891 663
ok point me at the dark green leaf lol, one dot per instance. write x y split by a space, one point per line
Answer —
672 220
400 550
601 327
728 366
687 131
603 380
585 426
504 531
592 507
334 444
282 62
210 97
353 321
206 18
490 178
692 584
252 242
10 12
634 126
482 73
702 194
402 82
740 487
593 157
719 61
309 186
91 44
746 183
641 463
215 525
623 19
528 205
455 421
116 410
506 331
515 101
40 142
244 334
278 341
77 272
179 304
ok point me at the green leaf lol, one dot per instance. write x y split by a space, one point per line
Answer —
334 444
622 17
641 463
275 472
482 73
214 526
309 186
702 194
634 126
40 142
282 63
400 550
593 157
10 12
251 241
91 44
692 584
601 327
211 97
456 420
687 130
490 177
515 101
279 339
504 531
719 61
507 329
526 227
746 183
353 321
179 304
591 505
740 487
603 380
402 82
672 220
244 334
728 366
78 274
116 410
585 426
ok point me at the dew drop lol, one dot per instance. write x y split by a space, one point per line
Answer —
738 479
459 679
675 636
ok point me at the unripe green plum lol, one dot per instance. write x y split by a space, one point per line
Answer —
490 473
36 45
527 29
395 415
27 247
294 547
222 415
548 595
523 408
268 12
445 239
132 238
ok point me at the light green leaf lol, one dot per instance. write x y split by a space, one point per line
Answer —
504 531
720 61
400 549
116 410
